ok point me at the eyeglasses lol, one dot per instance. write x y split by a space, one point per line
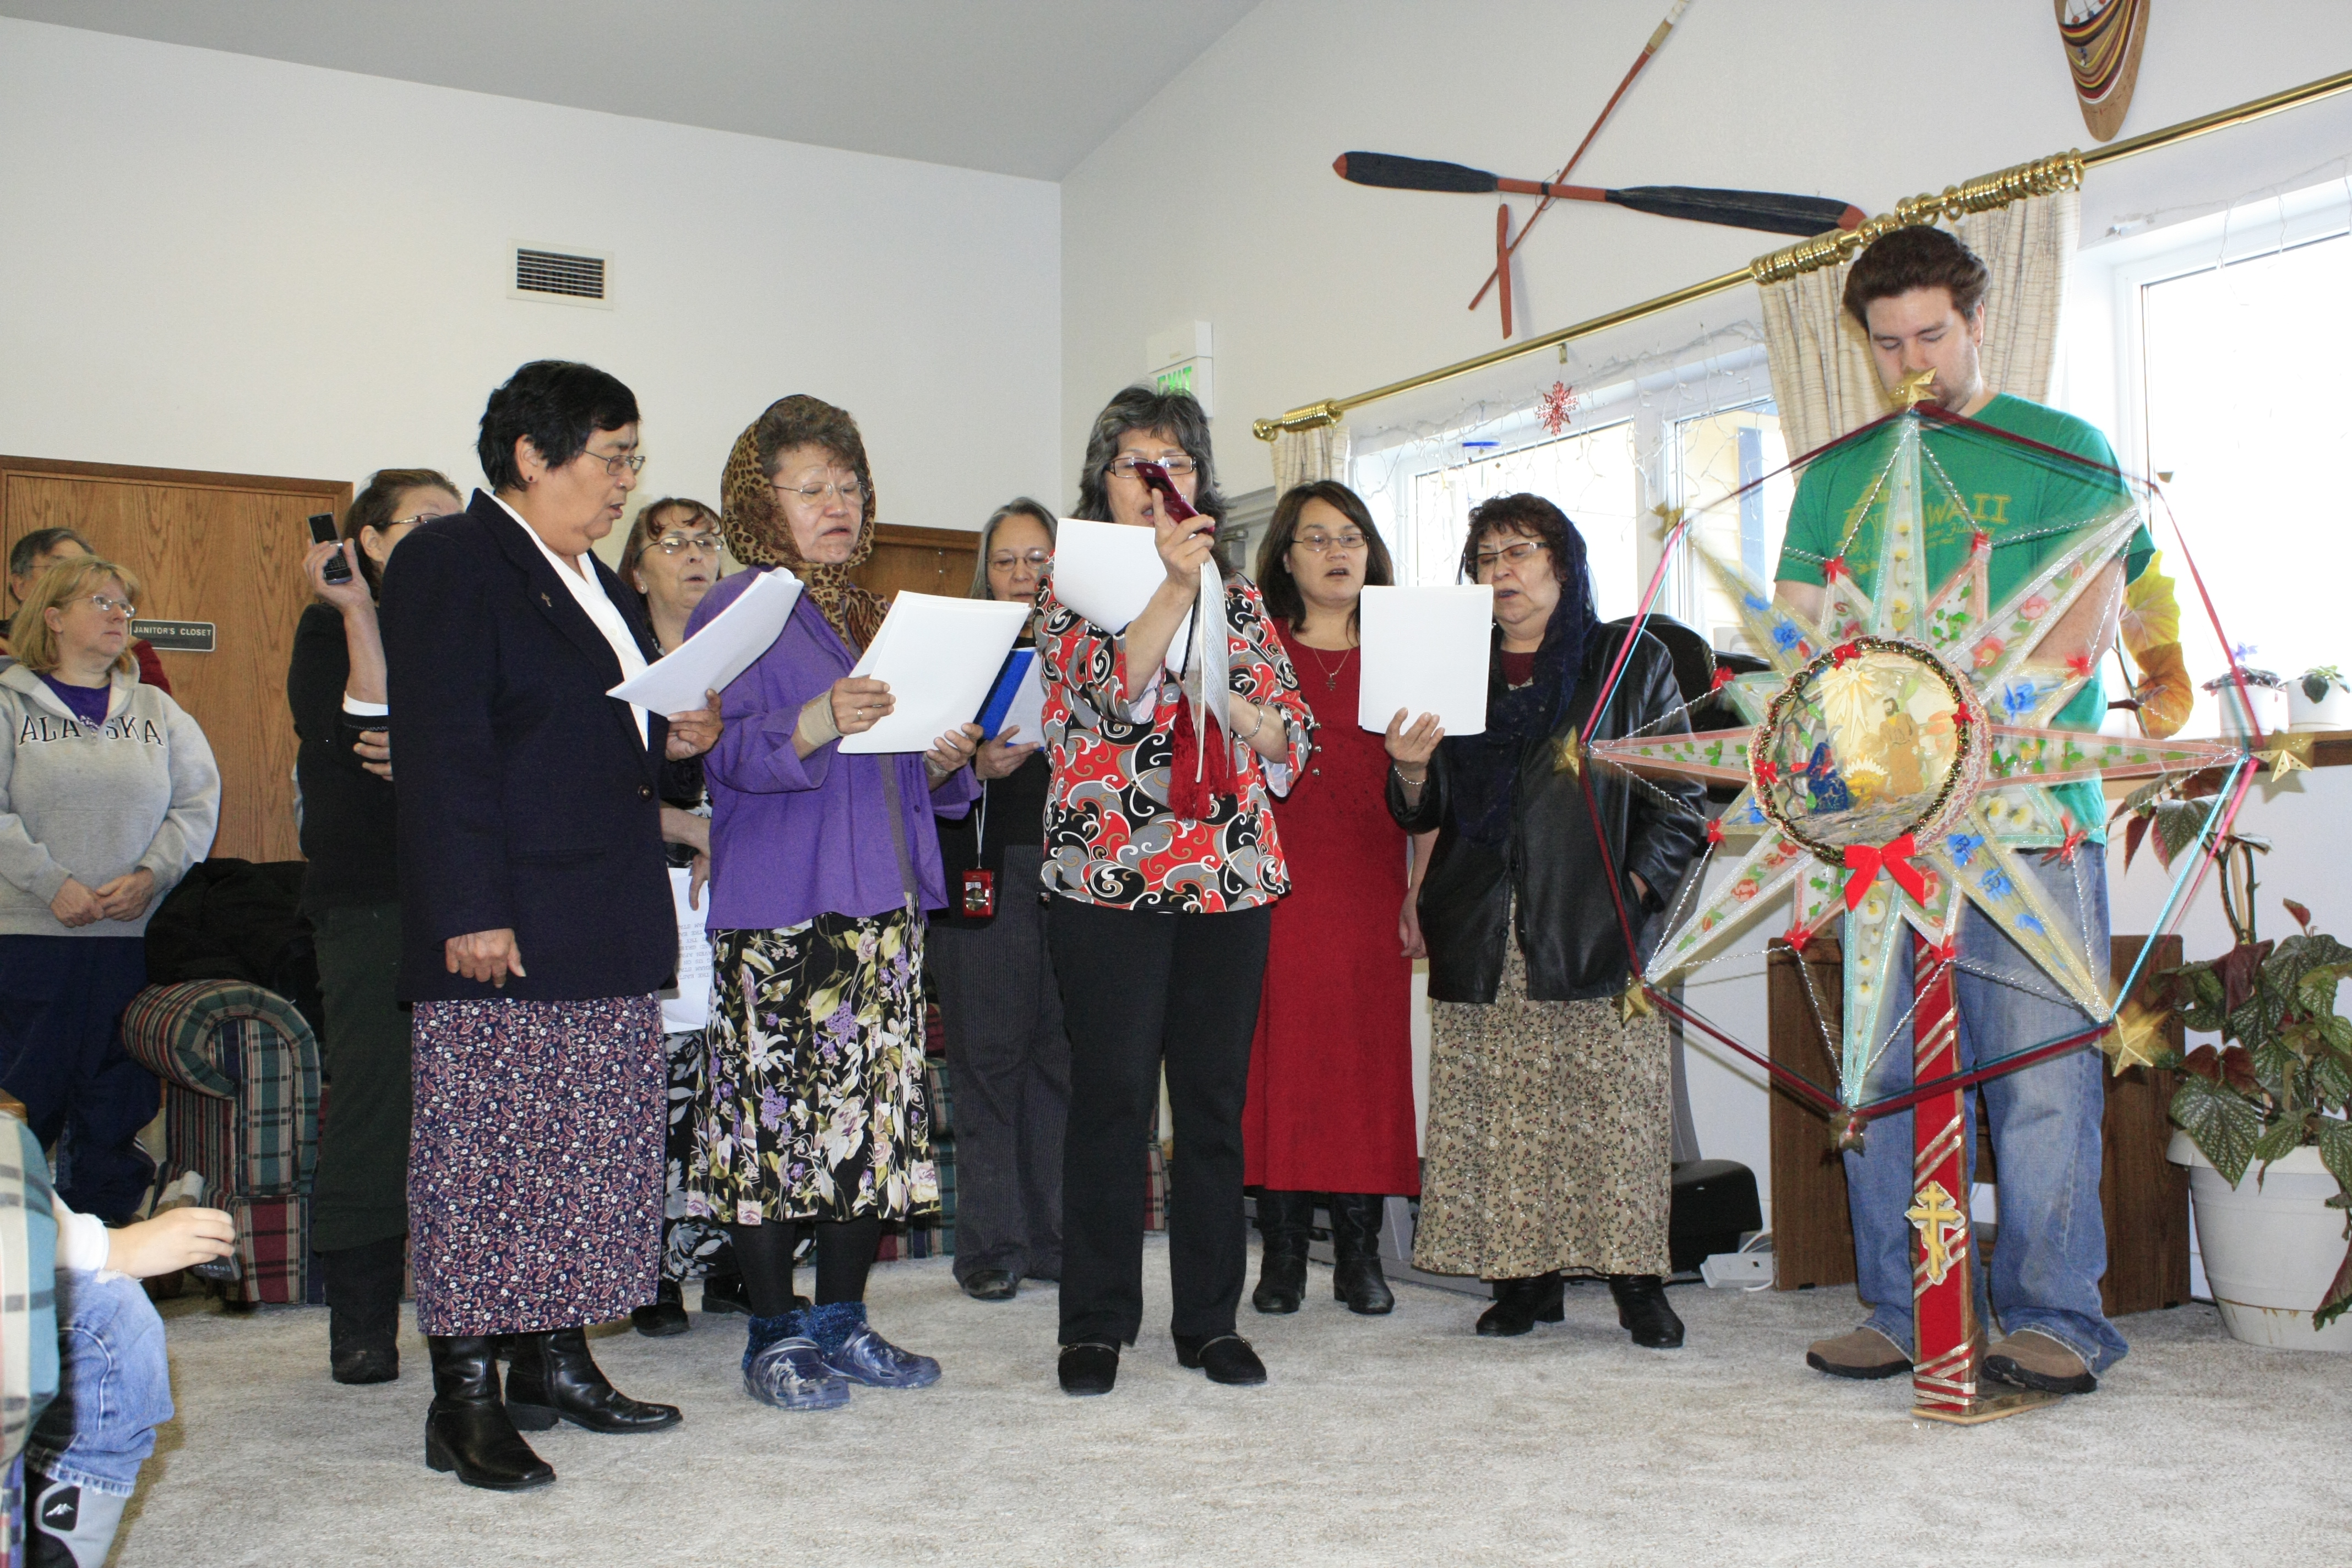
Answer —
674 544
634 462
420 516
1176 463
851 492
1324 543
1519 554
107 604
1038 559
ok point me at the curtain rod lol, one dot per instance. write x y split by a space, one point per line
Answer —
2038 177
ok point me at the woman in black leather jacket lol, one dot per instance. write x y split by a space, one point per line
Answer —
1548 1143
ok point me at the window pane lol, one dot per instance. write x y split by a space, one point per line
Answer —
1715 455
1591 475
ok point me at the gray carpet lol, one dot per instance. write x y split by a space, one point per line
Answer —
1403 1440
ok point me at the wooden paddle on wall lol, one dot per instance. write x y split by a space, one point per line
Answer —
1773 212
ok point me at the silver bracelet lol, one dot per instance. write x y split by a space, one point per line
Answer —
1261 708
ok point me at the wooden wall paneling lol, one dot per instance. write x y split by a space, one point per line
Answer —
927 559
224 548
2144 1198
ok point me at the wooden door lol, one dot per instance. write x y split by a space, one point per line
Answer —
928 560
221 547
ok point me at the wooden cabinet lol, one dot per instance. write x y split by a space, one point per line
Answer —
2143 1196
928 560
221 547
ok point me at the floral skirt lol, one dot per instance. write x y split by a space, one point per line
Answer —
1550 1138
535 1162
691 1247
814 1105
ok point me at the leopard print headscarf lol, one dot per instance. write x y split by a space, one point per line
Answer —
755 527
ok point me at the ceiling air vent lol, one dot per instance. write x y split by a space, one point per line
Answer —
571 277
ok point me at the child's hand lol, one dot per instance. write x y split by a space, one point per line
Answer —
177 1238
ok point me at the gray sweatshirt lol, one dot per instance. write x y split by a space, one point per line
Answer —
140 790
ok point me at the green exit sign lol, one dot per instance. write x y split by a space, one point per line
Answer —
1190 376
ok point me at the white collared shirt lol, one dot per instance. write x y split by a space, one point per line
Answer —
589 589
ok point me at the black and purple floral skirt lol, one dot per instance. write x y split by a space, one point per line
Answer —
535 1164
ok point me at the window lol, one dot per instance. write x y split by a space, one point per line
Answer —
1717 455
1591 475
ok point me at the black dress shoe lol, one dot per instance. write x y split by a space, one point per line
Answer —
726 1293
991 1284
1286 1224
1356 1277
363 1309
1520 1305
664 1315
467 1429
1226 1358
553 1377
1642 1311
1089 1366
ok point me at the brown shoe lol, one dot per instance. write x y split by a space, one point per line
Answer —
1864 1354
2030 1359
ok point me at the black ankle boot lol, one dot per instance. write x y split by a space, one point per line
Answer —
363 1309
1521 1304
1356 1277
554 1376
468 1430
1284 1221
664 1315
1642 1309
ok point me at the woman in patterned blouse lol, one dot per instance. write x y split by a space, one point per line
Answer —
1161 856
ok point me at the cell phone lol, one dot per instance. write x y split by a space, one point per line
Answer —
322 531
188 1192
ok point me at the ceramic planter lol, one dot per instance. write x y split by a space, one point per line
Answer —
2271 1250
2333 711
2270 710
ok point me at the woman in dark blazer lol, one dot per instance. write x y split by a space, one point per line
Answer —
536 925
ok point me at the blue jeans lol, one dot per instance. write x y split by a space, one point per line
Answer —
114 1387
2052 1242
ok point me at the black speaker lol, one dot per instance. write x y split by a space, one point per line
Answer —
1714 1205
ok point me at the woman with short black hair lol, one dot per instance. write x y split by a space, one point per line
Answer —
1548 1143
537 925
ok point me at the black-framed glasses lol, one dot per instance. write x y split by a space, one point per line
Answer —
1176 463
633 462
677 544
1483 563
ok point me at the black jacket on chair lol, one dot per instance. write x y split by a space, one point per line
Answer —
526 798
1566 922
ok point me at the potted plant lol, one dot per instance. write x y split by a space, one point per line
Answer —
2319 699
2274 1095
2264 689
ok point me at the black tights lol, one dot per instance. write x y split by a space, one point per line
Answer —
845 1251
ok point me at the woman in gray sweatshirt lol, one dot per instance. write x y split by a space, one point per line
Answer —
108 794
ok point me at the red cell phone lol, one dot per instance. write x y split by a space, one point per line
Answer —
1156 477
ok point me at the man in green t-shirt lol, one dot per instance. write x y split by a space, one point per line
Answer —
1920 295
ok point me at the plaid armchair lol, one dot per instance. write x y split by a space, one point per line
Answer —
240 1071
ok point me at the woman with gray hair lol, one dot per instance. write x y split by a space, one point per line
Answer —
997 990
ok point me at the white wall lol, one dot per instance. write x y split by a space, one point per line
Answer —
218 262
1216 202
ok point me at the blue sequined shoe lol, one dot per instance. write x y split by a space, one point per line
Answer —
783 1367
853 1350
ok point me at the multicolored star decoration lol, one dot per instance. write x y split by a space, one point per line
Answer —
1556 407
1901 758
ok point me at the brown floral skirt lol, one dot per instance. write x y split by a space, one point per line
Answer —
1550 1138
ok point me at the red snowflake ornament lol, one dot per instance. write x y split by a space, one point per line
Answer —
1557 406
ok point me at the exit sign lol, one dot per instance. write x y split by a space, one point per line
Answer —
1177 360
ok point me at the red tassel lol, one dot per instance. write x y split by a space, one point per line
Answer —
1192 788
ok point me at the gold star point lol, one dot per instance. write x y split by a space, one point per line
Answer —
1633 1002
1918 387
2287 754
2136 1039
1568 755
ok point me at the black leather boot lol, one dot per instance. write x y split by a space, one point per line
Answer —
363 1309
1521 1304
664 1315
1356 1277
1284 1221
468 1430
1642 1311
554 1376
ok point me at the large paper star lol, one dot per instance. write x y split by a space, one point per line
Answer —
1900 760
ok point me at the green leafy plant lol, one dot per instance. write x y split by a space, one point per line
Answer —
2317 682
2282 1079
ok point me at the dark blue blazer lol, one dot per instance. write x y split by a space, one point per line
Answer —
526 798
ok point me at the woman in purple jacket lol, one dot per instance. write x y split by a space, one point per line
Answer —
813 1109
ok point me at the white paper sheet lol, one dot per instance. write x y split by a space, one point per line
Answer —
1216 655
1105 571
1425 651
938 656
720 651
688 1006
1028 710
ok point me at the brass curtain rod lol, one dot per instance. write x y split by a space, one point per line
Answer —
2038 177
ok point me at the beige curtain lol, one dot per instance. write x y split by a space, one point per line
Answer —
1823 378
1302 457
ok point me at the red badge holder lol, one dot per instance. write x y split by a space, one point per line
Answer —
980 894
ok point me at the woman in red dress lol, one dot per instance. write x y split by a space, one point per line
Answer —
1330 1088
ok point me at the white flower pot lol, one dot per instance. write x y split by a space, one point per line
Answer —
2333 711
2270 1251
2270 711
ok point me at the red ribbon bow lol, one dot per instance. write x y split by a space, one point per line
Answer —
1843 654
1835 567
1724 675
1865 861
